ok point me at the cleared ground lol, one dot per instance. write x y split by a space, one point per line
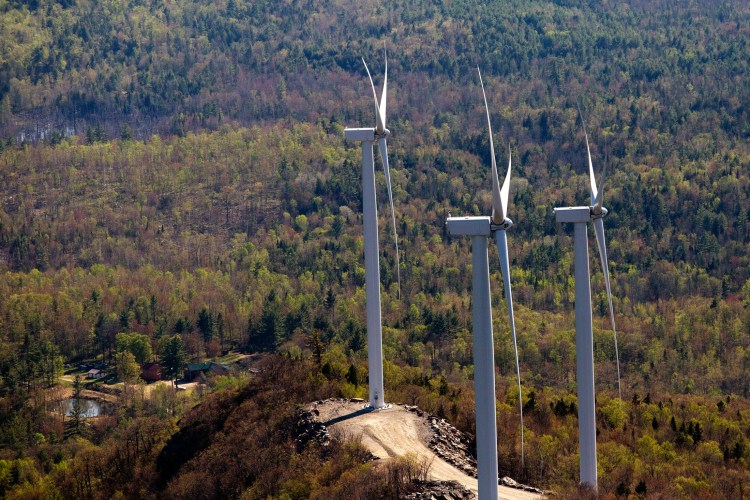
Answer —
393 432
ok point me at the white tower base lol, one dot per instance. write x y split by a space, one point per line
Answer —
484 351
580 217
372 266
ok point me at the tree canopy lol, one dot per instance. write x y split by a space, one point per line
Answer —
175 185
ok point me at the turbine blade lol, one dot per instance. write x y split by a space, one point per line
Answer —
599 194
502 248
384 95
384 158
498 209
379 119
592 180
601 243
505 191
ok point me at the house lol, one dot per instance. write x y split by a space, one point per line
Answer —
195 370
151 372
95 373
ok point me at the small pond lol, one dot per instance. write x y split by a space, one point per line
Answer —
89 408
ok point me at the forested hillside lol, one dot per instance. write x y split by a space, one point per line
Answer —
177 170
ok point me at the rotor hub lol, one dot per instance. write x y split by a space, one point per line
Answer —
598 212
506 224
384 133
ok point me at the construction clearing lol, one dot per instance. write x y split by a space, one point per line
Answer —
398 431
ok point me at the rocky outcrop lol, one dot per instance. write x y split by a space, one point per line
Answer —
510 483
453 446
307 429
440 490
449 443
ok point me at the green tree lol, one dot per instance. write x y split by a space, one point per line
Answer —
352 376
314 342
51 362
128 369
33 364
265 335
746 294
206 324
127 133
135 343
77 411
173 357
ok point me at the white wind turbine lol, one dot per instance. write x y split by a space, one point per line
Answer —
479 228
580 217
368 136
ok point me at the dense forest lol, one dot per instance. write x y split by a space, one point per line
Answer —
176 187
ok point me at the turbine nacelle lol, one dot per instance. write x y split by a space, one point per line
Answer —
360 134
475 226
365 134
579 214
469 226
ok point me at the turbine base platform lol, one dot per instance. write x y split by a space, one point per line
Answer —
369 407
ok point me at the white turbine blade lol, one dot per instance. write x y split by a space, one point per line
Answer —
601 243
598 199
592 180
384 95
384 158
505 191
498 209
380 127
502 248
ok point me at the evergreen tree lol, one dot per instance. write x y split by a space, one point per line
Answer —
351 376
264 336
77 411
173 357
315 343
206 324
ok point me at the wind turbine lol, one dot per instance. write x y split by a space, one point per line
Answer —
368 136
580 217
601 243
480 228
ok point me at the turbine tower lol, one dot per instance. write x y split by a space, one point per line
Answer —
580 217
368 136
480 228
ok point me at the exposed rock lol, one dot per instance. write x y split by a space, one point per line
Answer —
449 443
511 483
439 490
453 446
445 441
307 428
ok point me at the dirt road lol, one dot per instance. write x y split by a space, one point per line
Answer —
393 432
